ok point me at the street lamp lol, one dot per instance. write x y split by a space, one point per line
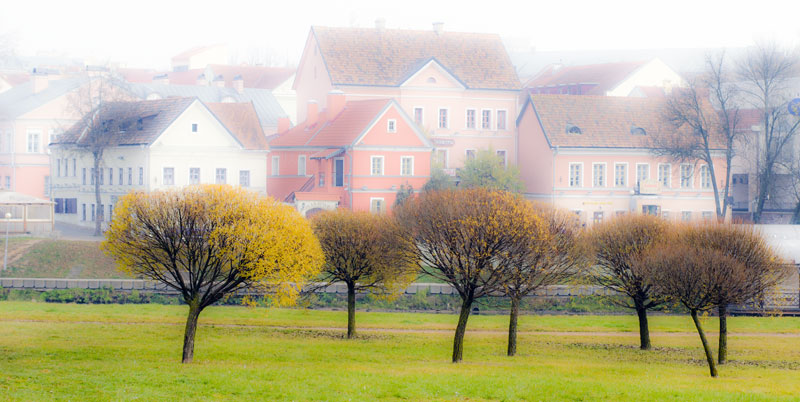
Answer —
5 255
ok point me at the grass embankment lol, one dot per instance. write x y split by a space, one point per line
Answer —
62 356
48 258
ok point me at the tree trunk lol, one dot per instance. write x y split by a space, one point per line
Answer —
98 211
191 328
458 341
351 310
644 329
723 333
512 327
712 367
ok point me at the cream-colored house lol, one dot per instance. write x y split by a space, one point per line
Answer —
156 145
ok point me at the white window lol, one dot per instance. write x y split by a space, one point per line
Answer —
440 157
47 185
276 165
34 141
705 176
470 123
58 167
707 215
110 176
169 176
598 175
418 116
194 175
664 174
443 118
686 176
686 216
575 174
642 172
470 154
121 176
376 205
130 176
502 122
391 126
222 176
194 127
621 175
486 119
244 178
301 165
141 176
407 166
74 167
376 163
501 154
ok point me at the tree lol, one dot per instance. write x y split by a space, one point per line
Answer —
210 241
539 261
99 123
690 275
465 238
487 169
617 245
366 252
708 113
439 180
403 194
765 75
758 268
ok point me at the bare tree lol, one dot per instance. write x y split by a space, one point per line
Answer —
765 75
708 112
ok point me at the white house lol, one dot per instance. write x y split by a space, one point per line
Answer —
155 145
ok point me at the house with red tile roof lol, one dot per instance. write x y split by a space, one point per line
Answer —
157 145
459 88
353 154
594 155
609 79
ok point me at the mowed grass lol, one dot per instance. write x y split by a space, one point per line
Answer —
132 352
49 258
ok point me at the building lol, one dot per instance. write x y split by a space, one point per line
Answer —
155 145
642 79
459 88
593 155
353 154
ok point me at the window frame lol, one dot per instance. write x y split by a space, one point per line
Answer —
246 173
486 112
382 208
605 174
421 121
391 126
498 120
474 119
579 184
224 176
669 175
402 159
275 166
624 175
191 178
637 172
446 118
690 178
171 176
372 160
304 171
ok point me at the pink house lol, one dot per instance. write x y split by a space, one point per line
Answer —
593 155
353 154
459 88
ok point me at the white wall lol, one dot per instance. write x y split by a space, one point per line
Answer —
653 74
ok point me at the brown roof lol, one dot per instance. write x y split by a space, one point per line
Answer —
604 122
605 77
358 56
155 117
253 76
241 119
336 131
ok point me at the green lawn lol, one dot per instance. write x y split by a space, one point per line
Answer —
127 352
31 257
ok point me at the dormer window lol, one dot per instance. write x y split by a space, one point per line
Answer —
431 80
638 131
194 127
391 126
573 129
139 124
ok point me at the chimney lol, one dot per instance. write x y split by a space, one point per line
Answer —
284 124
238 84
336 100
380 24
40 81
438 27
201 80
219 82
312 113
162 79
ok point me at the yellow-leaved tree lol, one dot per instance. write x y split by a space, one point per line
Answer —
210 241
368 252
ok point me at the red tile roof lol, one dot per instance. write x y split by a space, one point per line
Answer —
254 76
241 119
337 131
604 122
605 77
358 56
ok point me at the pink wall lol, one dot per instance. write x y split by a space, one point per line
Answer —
536 168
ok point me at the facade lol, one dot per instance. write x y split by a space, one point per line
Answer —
459 88
592 155
642 79
353 154
157 145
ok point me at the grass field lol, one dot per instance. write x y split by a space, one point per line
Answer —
132 352
30 257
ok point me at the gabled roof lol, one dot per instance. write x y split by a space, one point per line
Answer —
21 98
337 131
604 122
605 77
155 116
358 56
242 121
253 76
